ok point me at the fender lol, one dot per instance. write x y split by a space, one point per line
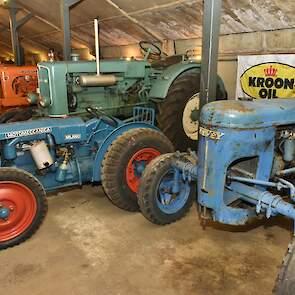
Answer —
96 175
161 86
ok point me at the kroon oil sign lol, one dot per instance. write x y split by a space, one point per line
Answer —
269 80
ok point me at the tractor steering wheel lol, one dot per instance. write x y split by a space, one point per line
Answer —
150 48
102 116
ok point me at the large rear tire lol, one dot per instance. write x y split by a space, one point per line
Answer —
156 199
170 111
285 284
22 206
16 115
125 161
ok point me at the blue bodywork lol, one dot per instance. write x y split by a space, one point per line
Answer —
240 146
246 130
248 114
84 142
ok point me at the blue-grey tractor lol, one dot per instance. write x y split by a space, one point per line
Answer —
243 170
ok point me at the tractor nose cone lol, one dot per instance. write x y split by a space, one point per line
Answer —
4 213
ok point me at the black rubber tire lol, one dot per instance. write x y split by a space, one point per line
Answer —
285 284
27 179
148 192
16 115
170 111
113 171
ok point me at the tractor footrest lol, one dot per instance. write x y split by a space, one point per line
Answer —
142 114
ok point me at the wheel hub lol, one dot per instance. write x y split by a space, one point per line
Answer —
167 199
4 213
137 164
190 114
170 200
18 208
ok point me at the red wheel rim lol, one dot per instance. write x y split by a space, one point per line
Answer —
22 206
141 157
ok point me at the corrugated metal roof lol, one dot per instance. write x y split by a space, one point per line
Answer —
167 19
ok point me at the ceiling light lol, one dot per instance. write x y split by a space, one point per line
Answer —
3 2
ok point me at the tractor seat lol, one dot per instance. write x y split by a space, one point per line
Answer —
167 62
249 114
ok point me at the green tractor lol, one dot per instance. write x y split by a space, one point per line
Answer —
116 86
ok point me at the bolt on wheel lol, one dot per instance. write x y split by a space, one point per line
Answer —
137 164
22 206
164 196
168 199
18 209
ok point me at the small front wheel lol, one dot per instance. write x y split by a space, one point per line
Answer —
162 198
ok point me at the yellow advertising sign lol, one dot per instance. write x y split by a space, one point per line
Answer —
269 80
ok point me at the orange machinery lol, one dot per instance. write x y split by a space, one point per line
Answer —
16 84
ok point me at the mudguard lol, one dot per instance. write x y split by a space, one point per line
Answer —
161 87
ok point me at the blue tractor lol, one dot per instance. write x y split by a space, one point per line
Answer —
244 170
46 155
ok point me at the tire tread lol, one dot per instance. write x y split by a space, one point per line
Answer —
111 163
144 194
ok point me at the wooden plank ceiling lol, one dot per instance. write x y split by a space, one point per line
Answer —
125 22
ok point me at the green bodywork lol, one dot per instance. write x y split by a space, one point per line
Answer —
139 83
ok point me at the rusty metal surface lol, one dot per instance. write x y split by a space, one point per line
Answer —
169 19
248 114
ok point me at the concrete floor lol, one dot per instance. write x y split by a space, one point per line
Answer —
88 246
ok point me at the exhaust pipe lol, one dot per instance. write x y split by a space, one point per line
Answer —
97 52
98 79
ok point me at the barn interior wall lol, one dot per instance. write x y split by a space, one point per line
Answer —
267 42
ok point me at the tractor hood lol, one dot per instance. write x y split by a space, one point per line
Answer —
63 129
249 114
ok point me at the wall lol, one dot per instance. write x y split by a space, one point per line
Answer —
228 71
230 46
